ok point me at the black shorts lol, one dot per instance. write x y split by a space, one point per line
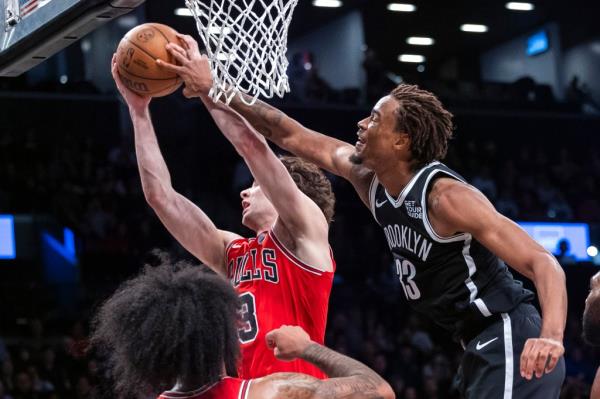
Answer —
490 367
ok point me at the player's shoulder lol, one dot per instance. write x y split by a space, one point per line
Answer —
446 191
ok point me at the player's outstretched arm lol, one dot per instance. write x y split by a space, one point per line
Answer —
297 211
348 377
457 207
184 220
326 152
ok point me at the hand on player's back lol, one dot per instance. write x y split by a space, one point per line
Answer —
135 102
288 342
193 67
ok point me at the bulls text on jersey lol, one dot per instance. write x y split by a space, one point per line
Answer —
247 269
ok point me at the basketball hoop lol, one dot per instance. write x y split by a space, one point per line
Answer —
246 42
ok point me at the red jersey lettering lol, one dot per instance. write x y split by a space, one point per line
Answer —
276 288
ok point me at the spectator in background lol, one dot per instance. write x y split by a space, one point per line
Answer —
563 255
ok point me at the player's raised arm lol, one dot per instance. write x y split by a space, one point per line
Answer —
326 152
184 220
457 207
348 377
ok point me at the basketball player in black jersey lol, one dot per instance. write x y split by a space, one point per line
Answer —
448 241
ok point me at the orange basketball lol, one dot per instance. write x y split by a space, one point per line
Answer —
136 60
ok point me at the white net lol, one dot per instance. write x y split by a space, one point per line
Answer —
246 42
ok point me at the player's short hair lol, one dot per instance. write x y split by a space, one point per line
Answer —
171 321
312 181
423 117
591 320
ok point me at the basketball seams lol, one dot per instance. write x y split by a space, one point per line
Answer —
161 32
156 27
138 64
146 78
174 86
177 82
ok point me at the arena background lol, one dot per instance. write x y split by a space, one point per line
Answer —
528 135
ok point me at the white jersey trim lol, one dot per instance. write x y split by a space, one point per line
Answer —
295 260
483 309
397 203
372 193
247 390
508 353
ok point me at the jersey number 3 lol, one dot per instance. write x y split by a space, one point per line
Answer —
406 273
249 330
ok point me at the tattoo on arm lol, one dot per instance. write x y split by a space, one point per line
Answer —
349 376
261 115
300 386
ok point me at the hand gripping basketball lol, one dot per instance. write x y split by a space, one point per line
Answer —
194 67
135 102
288 342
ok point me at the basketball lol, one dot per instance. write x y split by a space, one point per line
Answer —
136 60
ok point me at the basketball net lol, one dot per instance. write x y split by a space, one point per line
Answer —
246 42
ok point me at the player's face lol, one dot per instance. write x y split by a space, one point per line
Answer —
379 142
257 211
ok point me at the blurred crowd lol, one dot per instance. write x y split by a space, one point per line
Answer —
48 357
94 189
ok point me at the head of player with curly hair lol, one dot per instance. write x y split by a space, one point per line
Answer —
311 180
591 314
409 125
172 324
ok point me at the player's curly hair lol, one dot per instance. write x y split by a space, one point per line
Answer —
429 125
591 320
173 321
312 181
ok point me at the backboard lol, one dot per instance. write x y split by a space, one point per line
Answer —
33 30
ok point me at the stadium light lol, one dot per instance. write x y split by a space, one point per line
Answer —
518 6
420 41
401 7
592 251
327 3
183 12
415 58
474 28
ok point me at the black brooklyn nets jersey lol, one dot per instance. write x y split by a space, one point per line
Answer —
454 280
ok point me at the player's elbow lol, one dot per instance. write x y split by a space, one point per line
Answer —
545 265
157 196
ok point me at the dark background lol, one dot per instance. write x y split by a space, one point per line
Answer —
67 160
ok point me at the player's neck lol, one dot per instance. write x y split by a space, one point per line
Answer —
394 178
264 225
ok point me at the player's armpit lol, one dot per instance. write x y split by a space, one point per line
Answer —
194 230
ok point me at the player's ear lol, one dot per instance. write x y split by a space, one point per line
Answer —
402 141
